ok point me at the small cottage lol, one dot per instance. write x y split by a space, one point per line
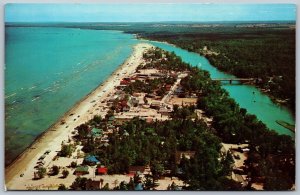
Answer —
91 160
81 170
101 171
96 132
136 170
155 105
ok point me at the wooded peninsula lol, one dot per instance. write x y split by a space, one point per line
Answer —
166 125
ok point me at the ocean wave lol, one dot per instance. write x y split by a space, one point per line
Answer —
30 88
11 95
59 73
35 98
47 89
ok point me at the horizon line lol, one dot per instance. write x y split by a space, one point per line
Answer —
185 21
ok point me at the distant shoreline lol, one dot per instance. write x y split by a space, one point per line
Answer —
163 22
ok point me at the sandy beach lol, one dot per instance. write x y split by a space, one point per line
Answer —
59 133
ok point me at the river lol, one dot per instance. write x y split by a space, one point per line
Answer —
247 96
49 69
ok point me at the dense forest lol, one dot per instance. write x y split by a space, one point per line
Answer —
271 158
264 53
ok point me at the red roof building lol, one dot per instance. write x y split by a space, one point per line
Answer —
102 171
124 82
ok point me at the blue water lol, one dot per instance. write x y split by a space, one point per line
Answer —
246 96
48 70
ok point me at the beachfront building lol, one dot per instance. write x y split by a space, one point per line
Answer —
111 120
165 111
155 105
239 153
121 87
96 132
101 171
91 160
136 170
124 82
81 170
123 106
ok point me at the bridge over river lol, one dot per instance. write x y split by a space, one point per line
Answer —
235 79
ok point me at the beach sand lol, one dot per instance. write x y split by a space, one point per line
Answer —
58 133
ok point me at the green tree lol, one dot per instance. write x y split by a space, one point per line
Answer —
66 150
109 114
157 169
82 130
148 182
227 164
79 183
73 164
62 187
54 170
65 173
106 187
122 186
172 187
97 119
41 172
130 184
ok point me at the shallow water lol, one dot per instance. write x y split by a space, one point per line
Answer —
48 70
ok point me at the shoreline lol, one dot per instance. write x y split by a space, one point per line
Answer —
278 101
81 112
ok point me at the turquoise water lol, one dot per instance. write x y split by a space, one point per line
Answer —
48 70
246 96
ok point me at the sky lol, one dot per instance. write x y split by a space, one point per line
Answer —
148 12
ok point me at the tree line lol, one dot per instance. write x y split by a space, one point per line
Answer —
268 54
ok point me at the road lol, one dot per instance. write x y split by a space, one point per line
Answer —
167 97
